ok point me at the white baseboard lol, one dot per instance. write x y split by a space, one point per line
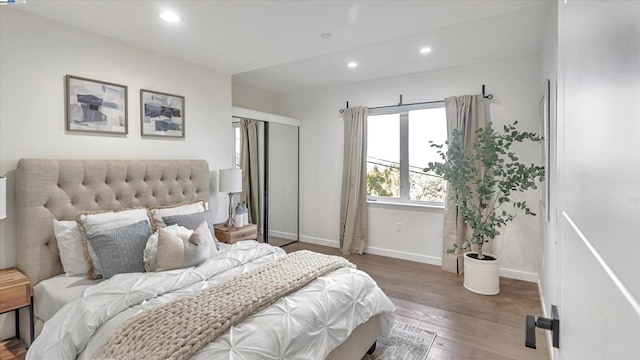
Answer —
427 259
284 235
377 251
319 241
545 313
519 275
404 255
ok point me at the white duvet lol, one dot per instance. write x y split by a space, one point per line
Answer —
307 324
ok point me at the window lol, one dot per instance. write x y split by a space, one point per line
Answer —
236 144
398 149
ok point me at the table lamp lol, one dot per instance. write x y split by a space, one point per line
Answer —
230 182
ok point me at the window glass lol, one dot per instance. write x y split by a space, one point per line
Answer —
399 148
425 125
383 155
237 143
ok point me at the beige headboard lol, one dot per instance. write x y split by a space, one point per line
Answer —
57 189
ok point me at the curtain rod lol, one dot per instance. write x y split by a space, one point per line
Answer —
399 104
484 95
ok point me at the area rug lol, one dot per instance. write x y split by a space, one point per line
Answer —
405 342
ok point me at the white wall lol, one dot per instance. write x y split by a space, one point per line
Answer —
36 54
249 97
515 84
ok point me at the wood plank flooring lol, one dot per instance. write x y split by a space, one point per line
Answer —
469 326
12 349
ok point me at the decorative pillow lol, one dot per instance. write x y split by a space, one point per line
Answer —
70 246
90 223
150 255
120 250
156 213
177 253
191 221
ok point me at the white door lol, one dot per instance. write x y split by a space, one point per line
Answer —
598 212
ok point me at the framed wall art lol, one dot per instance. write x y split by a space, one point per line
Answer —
95 106
161 114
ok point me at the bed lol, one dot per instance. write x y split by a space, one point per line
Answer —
336 316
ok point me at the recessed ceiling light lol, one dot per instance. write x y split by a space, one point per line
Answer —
352 64
170 16
326 35
425 50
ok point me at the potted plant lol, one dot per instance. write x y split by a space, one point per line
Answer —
483 179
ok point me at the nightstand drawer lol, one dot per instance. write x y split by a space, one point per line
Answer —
232 235
14 297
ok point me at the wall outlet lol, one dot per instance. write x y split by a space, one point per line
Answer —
399 227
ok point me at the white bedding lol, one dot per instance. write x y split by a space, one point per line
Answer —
307 324
52 294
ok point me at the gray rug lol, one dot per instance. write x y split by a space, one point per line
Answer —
405 342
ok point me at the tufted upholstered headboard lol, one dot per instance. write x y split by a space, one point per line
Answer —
57 189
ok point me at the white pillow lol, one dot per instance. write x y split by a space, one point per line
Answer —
70 246
150 254
94 223
185 209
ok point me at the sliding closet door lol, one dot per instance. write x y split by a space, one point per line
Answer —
278 206
282 184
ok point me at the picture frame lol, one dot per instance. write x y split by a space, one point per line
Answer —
545 148
95 106
161 114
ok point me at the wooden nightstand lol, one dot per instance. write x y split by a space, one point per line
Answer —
232 234
15 294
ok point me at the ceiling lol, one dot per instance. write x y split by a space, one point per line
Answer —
276 45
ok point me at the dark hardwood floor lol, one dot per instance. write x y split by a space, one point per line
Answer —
469 326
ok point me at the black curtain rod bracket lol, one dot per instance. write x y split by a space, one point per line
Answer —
487 96
342 110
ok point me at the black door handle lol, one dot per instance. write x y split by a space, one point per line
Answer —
552 324
530 332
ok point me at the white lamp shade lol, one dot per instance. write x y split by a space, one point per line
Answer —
230 180
3 197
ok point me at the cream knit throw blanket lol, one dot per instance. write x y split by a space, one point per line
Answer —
178 330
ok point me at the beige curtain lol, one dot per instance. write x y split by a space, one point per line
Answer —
353 204
467 114
249 166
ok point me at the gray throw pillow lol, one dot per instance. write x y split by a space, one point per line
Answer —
120 250
192 221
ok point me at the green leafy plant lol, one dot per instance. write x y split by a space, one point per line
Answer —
484 178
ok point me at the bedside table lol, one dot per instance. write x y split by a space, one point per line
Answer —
231 235
15 294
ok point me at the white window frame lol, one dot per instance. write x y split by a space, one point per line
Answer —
403 111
